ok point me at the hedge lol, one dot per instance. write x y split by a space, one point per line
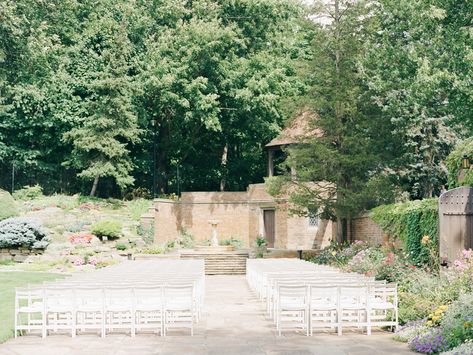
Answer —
410 222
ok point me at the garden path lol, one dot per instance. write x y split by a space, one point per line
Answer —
233 323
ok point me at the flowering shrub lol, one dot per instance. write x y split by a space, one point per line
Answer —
464 349
86 260
81 238
410 331
464 261
22 232
77 261
430 342
340 254
366 261
457 323
436 316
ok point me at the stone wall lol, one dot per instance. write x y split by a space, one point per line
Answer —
364 228
18 255
240 215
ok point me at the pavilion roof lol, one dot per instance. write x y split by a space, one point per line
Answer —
299 127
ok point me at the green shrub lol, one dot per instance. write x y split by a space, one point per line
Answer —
185 240
28 193
146 233
457 323
22 232
121 246
154 250
410 222
107 228
138 193
7 205
232 241
138 207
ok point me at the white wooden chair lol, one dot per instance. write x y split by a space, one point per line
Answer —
178 307
89 309
118 309
29 304
149 308
323 307
292 308
59 310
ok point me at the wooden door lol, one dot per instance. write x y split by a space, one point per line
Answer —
269 218
455 223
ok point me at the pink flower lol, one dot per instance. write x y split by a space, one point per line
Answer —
459 265
78 261
467 253
93 260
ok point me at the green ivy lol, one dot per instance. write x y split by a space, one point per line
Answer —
410 222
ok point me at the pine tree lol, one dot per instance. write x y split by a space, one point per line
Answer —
107 123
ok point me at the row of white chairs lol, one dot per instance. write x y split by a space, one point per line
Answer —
133 297
321 297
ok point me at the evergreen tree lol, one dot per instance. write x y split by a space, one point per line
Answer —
339 170
106 121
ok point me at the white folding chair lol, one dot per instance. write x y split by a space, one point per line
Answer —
323 307
352 309
292 307
178 307
59 309
148 307
89 309
29 310
118 309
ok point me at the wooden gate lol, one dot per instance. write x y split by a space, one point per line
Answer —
455 222
269 219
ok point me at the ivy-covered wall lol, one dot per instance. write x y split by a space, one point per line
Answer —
415 223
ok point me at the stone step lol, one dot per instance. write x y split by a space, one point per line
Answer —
220 263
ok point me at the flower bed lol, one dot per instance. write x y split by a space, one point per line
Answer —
435 307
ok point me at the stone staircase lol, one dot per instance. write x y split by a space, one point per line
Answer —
219 262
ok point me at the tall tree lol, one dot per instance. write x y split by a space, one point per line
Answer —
416 69
106 123
339 170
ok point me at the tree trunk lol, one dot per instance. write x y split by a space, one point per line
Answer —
224 167
94 186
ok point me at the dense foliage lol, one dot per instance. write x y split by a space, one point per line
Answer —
87 87
390 87
22 232
415 223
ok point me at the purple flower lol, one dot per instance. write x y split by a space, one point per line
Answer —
431 342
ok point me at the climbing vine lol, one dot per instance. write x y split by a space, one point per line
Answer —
415 223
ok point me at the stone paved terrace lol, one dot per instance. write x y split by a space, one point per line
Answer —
233 323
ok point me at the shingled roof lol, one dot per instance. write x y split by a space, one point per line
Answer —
299 127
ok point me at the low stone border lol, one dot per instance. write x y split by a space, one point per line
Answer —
19 255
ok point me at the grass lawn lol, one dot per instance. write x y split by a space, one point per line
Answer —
8 282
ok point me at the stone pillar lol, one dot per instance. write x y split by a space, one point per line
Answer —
270 162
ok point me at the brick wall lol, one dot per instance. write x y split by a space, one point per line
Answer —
240 215
364 228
